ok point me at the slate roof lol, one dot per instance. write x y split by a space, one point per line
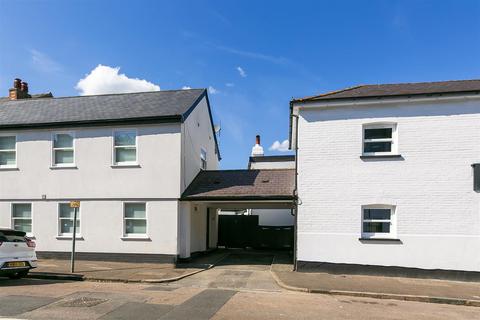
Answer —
173 105
398 89
264 184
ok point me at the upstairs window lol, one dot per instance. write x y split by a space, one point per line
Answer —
8 153
203 159
378 221
125 147
379 139
63 149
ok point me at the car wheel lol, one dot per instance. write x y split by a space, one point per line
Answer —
18 275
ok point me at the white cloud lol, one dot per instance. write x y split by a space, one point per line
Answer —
43 62
242 72
186 88
212 90
105 79
229 84
279 146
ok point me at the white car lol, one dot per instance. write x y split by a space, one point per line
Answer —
17 254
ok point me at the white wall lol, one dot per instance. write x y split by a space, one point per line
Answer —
101 227
157 177
438 213
272 165
198 236
197 134
274 217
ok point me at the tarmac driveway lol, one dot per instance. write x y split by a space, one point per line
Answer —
239 271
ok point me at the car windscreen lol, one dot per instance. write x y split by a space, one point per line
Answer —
12 236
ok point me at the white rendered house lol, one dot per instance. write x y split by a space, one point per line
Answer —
126 157
385 176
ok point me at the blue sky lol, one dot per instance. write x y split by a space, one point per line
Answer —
285 48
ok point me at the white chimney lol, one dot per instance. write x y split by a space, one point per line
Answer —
257 150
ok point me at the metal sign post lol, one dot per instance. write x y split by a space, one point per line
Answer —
75 205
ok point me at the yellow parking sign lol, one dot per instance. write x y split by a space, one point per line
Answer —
74 204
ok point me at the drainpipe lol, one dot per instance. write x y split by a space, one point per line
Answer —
295 191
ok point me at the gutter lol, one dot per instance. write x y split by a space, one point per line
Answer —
295 195
94 123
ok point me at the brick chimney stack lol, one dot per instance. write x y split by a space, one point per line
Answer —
19 90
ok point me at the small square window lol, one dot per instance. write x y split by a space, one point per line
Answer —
379 139
378 221
203 159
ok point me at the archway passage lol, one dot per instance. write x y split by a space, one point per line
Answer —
242 208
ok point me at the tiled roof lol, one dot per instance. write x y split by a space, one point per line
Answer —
398 89
242 185
99 108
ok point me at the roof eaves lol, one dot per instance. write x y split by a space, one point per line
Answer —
313 98
239 198
396 96
94 123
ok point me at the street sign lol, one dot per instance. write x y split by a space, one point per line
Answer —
74 204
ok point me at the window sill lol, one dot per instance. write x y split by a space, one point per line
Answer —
383 156
136 238
116 166
69 238
63 167
9 169
380 239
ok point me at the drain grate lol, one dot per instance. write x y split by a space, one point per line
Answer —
83 302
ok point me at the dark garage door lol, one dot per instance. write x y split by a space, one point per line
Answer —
239 231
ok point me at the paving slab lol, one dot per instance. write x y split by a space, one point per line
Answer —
16 305
137 311
414 289
202 306
113 271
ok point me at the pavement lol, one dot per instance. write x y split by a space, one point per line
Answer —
243 298
264 271
122 271
398 288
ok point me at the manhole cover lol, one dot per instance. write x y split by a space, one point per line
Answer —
83 302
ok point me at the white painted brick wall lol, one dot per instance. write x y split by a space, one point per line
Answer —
438 213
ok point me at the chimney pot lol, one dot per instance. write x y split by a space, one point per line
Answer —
257 150
24 87
17 83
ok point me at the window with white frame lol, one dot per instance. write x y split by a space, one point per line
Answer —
63 149
135 219
8 153
380 139
22 217
203 159
125 147
66 215
378 221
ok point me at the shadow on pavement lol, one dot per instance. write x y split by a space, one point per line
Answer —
6 282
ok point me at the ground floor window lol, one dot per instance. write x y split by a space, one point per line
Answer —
378 221
65 220
22 217
135 219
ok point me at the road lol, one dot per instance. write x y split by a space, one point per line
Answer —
231 291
